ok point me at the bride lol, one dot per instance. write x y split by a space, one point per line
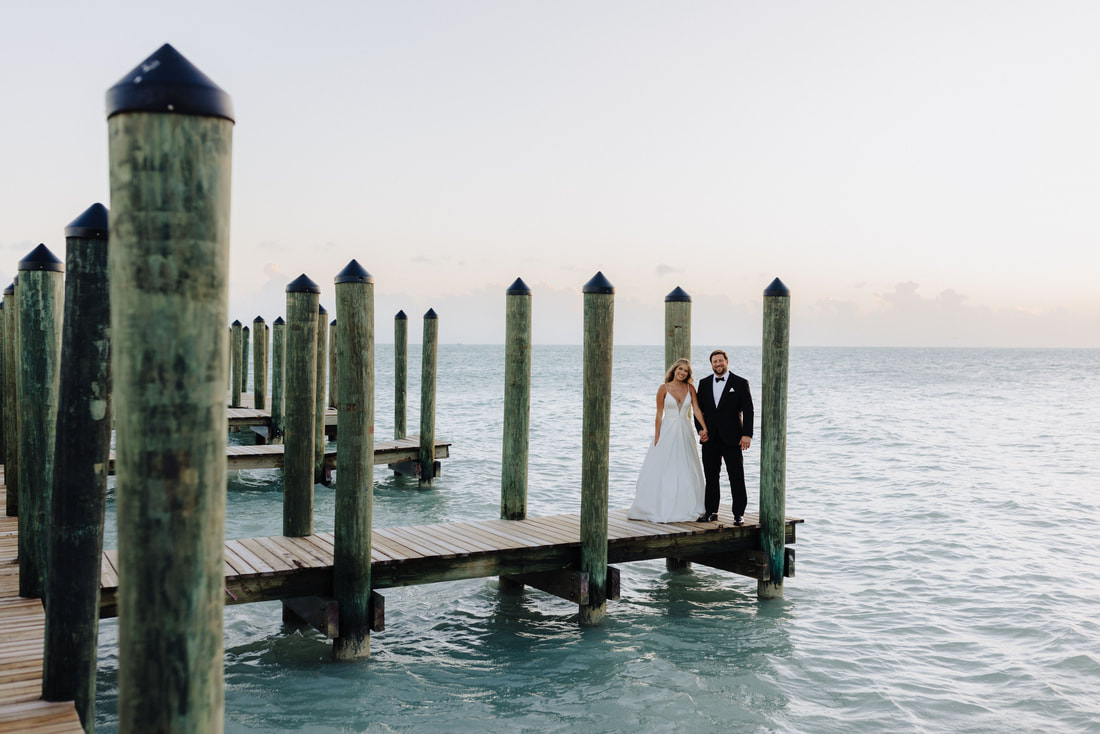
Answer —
670 485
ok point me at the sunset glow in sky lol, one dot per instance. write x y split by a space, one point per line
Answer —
918 173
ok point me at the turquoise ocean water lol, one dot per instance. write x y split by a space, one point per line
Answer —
948 569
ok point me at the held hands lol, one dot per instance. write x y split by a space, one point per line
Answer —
703 436
745 442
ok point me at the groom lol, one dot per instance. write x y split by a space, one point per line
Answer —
727 408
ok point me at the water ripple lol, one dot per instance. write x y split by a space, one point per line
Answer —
947 572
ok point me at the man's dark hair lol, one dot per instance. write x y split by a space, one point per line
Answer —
718 351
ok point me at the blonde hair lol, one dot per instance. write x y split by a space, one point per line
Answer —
671 374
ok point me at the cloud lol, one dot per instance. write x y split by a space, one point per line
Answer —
662 270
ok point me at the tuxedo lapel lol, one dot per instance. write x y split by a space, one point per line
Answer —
706 393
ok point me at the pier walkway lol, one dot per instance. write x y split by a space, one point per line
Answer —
270 456
278 567
22 635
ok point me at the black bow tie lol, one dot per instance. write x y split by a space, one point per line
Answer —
719 379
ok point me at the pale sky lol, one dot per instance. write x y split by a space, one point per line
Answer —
918 173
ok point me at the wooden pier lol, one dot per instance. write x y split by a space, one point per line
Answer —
539 551
278 567
22 634
270 456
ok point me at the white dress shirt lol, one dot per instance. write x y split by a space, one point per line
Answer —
719 387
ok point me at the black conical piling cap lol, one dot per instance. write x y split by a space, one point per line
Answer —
91 225
279 322
354 273
258 318
40 258
321 310
400 316
246 327
303 285
598 284
10 290
236 322
430 314
167 82
678 296
776 288
332 323
519 288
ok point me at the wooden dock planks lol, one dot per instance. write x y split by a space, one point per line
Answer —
278 567
271 456
261 569
22 634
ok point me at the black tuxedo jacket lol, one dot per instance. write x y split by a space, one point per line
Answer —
732 417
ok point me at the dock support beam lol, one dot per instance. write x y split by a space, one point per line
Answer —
11 404
677 326
236 341
259 363
400 374
319 405
80 470
517 401
278 379
244 359
427 398
333 380
40 295
354 338
599 318
773 428
517 416
301 382
170 147
677 346
5 406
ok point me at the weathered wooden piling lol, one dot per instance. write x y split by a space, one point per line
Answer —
677 326
333 384
773 429
80 469
599 319
244 358
354 337
39 297
4 405
427 398
259 363
677 346
300 408
236 347
400 374
11 404
278 377
517 401
319 395
170 132
229 367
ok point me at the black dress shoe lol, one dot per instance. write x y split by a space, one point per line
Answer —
705 517
738 520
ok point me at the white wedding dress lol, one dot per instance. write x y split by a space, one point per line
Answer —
670 485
